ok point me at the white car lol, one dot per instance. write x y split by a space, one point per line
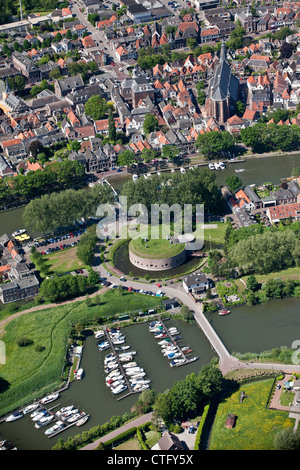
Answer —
121 70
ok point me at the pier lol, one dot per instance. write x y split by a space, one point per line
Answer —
130 391
184 355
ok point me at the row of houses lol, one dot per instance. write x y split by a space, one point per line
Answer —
18 281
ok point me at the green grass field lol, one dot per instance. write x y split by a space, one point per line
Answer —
256 426
214 237
63 261
30 373
289 273
156 248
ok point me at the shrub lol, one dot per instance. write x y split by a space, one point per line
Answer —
24 341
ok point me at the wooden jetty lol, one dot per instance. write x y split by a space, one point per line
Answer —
171 337
130 391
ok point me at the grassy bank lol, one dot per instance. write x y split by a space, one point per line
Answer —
29 371
256 425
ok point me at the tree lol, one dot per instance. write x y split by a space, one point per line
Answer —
252 283
150 124
20 82
233 183
287 439
286 50
35 148
126 158
170 152
35 90
213 144
96 107
112 132
55 74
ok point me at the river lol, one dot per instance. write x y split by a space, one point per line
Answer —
256 171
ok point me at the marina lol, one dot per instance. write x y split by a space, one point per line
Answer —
170 347
122 374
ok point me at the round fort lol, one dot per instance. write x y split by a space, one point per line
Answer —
156 254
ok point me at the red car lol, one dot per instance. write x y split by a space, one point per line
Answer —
159 285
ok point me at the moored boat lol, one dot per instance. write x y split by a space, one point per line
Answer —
14 417
82 420
30 408
49 398
224 311
79 374
18 232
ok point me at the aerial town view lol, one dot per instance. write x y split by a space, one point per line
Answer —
149 227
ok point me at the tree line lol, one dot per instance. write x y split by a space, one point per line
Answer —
58 176
196 186
56 210
260 250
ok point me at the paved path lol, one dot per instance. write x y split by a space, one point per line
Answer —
136 422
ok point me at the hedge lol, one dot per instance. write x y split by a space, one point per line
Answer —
200 428
121 437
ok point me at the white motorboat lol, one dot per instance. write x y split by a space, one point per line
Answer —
164 342
18 232
119 389
211 166
82 420
110 360
134 177
74 418
116 384
119 341
40 415
182 170
177 362
146 177
79 374
122 348
140 387
35 413
129 365
30 408
139 381
70 413
42 422
64 410
126 358
14 417
134 372
55 428
222 165
174 355
103 346
139 375
239 170
113 373
99 334
49 398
